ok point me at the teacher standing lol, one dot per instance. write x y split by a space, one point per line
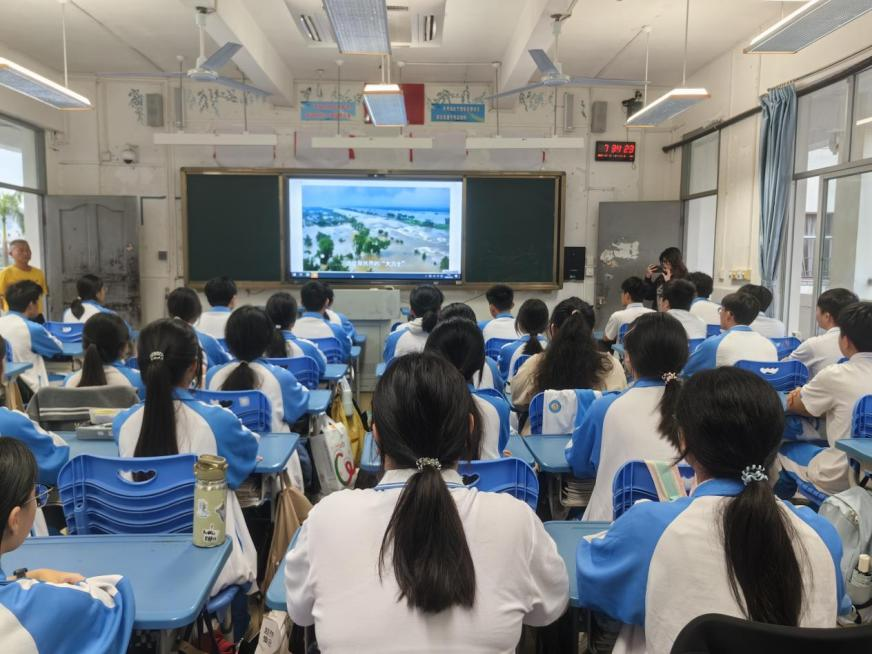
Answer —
671 267
21 270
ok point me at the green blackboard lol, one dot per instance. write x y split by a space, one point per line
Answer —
234 227
511 229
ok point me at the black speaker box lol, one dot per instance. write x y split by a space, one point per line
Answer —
573 264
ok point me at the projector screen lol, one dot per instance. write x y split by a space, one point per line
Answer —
381 229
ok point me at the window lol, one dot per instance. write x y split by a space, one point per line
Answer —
21 186
861 145
821 129
699 191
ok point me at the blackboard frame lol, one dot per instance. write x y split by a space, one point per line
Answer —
281 174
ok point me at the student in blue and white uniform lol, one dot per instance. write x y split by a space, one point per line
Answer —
675 299
818 352
312 324
639 423
489 376
731 547
51 451
249 332
338 318
171 421
737 342
702 306
104 339
46 610
282 310
532 321
461 343
435 566
90 301
184 303
632 295
221 295
500 301
30 341
763 324
425 301
833 394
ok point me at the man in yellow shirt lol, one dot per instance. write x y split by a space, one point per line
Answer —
21 270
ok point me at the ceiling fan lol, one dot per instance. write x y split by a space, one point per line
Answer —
206 68
552 71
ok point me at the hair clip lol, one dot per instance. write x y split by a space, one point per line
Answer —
754 473
669 376
427 462
157 355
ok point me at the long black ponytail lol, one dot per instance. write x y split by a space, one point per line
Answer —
167 348
656 344
421 410
249 331
282 311
732 420
425 302
532 320
87 287
104 338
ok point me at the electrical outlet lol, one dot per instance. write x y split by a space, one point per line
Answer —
740 275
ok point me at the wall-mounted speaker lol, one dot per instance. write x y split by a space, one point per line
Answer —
573 264
599 117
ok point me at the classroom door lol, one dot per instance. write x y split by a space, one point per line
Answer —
98 235
631 236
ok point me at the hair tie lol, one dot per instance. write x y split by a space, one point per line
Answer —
754 473
427 462
669 377
157 355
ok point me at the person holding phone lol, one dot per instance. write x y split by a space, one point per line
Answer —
671 266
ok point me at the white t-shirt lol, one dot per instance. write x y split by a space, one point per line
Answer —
709 311
693 325
335 585
503 327
769 327
213 321
623 317
834 392
818 352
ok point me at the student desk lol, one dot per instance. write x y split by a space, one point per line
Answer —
517 445
275 594
548 450
334 372
14 369
567 534
319 401
859 449
360 339
73 349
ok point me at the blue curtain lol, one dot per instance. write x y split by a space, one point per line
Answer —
777 138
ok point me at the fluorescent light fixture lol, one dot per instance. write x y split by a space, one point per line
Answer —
666 107
360 26
25 81
524 143
813 21
864 121
209 138
373 142
385 104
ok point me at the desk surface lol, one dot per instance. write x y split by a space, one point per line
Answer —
319 401
273 451
567 535
518 447
360 339
355 352
171 578
12 370
334 372
380 369
859 449
72 349
549 451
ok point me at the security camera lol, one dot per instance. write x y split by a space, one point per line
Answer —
129 155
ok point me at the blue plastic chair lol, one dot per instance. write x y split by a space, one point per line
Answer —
493 346
693 343
783 376
251 407
862 423
633 482
508 475
586 397
331 348
520 361
305 369
66 332
712 330
786 346
622 331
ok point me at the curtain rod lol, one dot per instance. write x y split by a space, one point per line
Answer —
811 88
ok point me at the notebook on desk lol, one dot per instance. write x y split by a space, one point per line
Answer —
94 432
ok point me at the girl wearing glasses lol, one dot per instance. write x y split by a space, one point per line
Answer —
96 615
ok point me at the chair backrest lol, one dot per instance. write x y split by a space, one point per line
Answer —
783 376
331 348
102 495
622 331
520 361
537 406
66 332
693 343
493 346
62 409
862 424
721 634
251 407
712 330
305 369
633 482
785 346
508 475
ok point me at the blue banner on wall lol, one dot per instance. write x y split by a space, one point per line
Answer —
327 110
457 113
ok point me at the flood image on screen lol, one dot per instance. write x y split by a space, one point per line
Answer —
386 229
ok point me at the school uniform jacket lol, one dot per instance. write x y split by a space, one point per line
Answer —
213 321
208 429
89 308
495 413
510 352
117 374
661 564
313 325
30 342
769 327
490 377
736 344
617 429
520 577
215 354
818 352
709 311
411 337
342 320
50 450
693 325
301 347
94 616
623 317
500 326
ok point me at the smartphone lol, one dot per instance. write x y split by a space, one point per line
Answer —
658 269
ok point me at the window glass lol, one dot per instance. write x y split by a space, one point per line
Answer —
821 131
699 246
19 218
18 159
861 147
703 172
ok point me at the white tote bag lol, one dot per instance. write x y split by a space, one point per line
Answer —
333 456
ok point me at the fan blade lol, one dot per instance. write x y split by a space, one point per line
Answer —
221 56
602 81
232 83
543 62
155 75
516 91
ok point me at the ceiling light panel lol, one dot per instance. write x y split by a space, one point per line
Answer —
385 104
667 106
360 26
809 23
25 81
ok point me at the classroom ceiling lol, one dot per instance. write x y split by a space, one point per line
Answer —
147 35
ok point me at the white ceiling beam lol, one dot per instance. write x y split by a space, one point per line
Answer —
259 60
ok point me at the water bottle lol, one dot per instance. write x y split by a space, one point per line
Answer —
347 404
210 500
860 584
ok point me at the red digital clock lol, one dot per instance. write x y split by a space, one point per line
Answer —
615 151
